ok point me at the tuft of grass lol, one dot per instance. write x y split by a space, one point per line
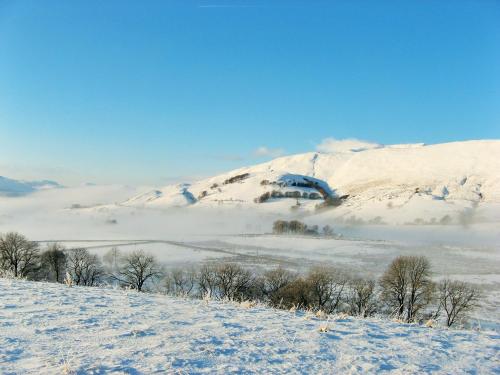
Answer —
66 369
248 304
323 328
68 280
320 314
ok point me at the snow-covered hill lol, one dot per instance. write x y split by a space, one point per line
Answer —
52 329
10 187
401 182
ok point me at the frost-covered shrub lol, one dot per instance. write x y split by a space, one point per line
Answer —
296 295
274 282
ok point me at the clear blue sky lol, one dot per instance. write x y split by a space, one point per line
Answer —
145 92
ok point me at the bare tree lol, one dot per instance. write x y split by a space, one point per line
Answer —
207 280
361 297
137 268
19 255
394 286
421 287
112 259
181 282
327 288
406 286
233 281
53 262
84 268
457 299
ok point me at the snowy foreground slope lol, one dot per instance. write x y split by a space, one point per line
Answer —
50 328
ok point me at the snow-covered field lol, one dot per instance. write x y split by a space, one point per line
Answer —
53 329
440 201
478 265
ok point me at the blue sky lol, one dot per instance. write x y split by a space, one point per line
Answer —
156 91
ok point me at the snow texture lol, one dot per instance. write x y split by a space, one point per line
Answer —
51 329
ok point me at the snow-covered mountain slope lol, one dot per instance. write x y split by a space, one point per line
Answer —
10 187
52 329
431 181
170 196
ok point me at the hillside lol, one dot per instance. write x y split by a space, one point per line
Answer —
50 328
400 183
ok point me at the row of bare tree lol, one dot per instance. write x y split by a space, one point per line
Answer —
22 258
405 290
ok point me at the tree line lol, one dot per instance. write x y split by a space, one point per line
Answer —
405 290
22 258
298 227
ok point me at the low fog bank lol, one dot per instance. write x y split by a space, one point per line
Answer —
189 224
487 234
90 212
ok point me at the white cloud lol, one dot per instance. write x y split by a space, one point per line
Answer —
264 151
332 145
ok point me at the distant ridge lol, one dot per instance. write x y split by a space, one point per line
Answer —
11 187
